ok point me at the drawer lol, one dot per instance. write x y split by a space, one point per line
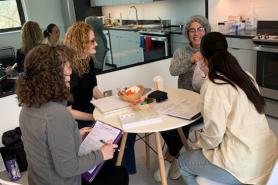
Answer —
241 43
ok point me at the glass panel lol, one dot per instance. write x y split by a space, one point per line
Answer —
267 70
9 16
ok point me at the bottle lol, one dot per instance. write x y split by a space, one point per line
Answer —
251 19
12 168
221 27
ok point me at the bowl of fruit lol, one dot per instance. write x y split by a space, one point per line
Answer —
131 93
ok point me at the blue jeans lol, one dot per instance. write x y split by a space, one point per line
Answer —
129 154
193 163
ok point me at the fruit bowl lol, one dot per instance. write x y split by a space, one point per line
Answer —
132 93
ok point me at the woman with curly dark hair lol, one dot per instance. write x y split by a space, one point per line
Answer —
49 132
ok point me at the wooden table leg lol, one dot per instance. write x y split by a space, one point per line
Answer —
147 140
122 149
160 159
183 138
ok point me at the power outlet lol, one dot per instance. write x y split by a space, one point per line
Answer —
107 93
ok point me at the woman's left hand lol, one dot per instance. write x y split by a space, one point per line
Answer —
84 131
197 57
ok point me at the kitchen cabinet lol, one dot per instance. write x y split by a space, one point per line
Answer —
125 47
242 49
177 41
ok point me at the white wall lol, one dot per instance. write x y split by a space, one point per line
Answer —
219 10
177 10
139 75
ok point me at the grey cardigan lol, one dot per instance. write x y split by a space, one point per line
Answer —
181 66
51 140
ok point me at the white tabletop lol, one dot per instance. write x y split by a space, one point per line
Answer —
168 122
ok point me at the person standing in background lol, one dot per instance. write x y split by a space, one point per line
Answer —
184 65
236 145
51 34
81 38
31 36
49 132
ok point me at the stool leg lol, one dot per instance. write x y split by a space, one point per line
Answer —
160 159
122 150
147 140
183 138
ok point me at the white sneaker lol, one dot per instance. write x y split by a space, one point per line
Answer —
174 171
156 174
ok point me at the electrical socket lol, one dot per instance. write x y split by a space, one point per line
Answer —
107 93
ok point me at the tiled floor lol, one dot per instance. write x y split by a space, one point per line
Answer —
144 176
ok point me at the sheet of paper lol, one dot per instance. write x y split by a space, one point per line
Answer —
99 132
185 109
110 104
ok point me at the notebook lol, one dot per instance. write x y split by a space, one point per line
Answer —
139 118
100 131
110 104
185 109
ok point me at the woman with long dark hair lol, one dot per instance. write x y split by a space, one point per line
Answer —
236 144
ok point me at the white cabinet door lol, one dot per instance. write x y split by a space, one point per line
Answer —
177 41
125 47
242 50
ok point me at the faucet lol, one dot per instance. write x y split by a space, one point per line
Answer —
161 24
134 7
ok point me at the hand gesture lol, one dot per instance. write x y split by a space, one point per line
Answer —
108 150
197 57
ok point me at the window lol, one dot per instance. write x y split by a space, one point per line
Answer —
11 15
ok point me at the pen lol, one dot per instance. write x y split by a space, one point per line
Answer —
103 142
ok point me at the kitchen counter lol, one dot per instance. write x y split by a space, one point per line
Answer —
175 29
242 34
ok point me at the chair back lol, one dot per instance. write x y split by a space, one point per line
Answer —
101 40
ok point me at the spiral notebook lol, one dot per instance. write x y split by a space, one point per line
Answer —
100 131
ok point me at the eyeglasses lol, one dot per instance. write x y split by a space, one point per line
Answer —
199 30
93 41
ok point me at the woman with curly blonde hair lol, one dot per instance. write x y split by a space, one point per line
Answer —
81 38
49 132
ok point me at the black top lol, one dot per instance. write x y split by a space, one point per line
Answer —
20 56
82 89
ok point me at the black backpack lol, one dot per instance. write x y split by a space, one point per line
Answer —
14 148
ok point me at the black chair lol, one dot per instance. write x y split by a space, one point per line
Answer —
102 48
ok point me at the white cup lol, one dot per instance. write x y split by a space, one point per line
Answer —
158 83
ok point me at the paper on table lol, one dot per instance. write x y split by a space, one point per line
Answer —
110 104
100 131
184 109
139 119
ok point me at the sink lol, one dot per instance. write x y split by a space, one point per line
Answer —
138 27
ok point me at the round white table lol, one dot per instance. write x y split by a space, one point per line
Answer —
168 123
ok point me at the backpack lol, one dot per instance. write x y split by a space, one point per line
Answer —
14 148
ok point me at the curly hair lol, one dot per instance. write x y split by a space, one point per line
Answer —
31 36
77 38
43 78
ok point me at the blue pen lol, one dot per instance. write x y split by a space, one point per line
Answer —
103 142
